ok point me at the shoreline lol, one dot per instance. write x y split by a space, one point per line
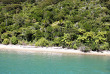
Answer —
33 49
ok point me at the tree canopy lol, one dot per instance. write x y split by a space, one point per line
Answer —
67 23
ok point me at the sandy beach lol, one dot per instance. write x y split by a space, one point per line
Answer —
33 49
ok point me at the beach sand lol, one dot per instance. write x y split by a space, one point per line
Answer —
33 49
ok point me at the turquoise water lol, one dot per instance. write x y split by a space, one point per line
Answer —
52 63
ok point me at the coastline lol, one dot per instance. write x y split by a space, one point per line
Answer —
33 49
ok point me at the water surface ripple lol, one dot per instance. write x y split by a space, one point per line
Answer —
52 63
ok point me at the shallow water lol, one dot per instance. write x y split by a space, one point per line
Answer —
52 63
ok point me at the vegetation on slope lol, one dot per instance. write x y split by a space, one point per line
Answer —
83 24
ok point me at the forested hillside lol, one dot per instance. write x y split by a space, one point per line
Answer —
83 24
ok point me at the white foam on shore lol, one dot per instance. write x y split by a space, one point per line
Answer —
34 49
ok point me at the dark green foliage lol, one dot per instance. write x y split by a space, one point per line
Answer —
12 7
6 35
86 49
66 23
106 19
57 41
42 42
44 3
75 46
108 38
104 0
15 1
14 40
38 35
5 41
94 46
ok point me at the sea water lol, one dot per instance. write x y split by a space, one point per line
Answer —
52 63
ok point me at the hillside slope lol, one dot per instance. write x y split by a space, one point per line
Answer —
83 24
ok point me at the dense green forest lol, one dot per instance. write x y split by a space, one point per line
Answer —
83 24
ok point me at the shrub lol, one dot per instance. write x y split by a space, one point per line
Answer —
4 36
23 42
42 42
11 1
75 46
38 35
12 7
5 41
85 49
51 43
57 41
106 19
108 38
94 46
104 46
14 40
65 41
